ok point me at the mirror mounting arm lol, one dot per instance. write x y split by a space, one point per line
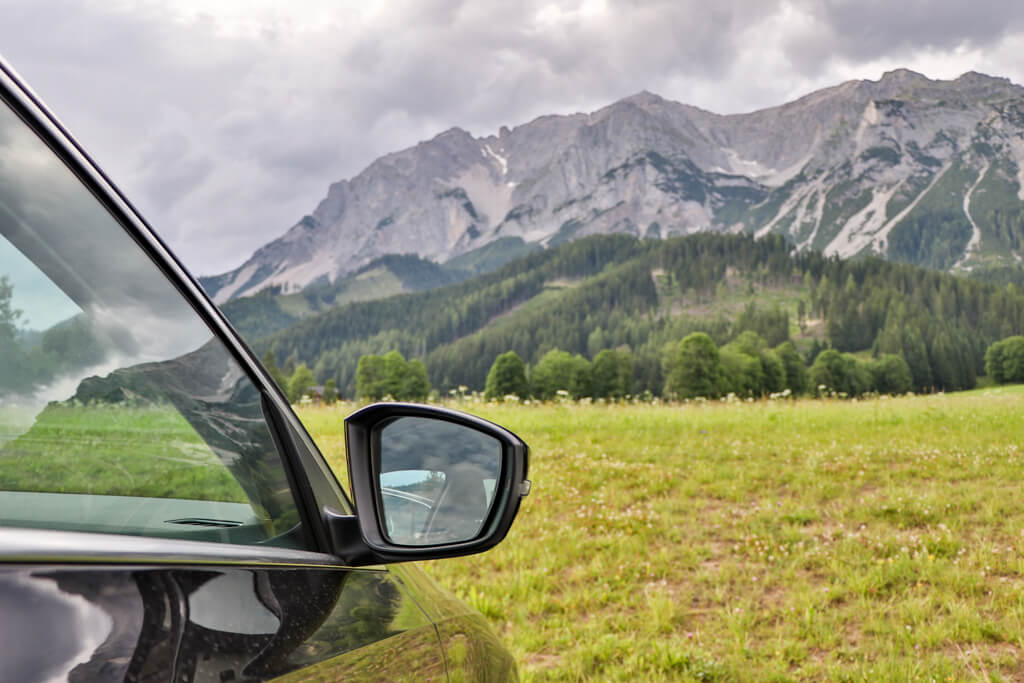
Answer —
347 540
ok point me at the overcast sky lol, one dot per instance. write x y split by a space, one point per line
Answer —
226 120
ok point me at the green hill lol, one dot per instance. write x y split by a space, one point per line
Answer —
270 310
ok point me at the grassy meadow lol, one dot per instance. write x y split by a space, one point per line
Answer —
776 540
111 450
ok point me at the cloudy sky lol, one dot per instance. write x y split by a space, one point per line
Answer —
226 120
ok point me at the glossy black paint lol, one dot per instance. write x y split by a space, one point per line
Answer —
472 651
194 624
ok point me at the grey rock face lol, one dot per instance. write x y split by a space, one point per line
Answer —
836 170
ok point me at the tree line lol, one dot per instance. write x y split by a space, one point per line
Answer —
617 293
696 367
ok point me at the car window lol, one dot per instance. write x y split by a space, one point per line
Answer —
120 410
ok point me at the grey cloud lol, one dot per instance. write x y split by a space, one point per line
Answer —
865 30
225 140
286 115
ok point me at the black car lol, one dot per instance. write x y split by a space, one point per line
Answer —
164 516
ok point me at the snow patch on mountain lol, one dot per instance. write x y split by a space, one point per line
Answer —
975 241
502 161
861 230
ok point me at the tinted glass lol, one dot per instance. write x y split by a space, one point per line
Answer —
120 411
436 479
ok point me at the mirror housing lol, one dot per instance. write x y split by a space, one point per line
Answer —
365 538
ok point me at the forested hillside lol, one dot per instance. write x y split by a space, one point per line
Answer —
608 292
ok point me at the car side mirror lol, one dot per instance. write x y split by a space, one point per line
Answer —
428 483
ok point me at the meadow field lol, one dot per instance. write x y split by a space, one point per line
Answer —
880 539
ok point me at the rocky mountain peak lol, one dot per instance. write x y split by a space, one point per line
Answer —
903 77
453 134
969 78
861 167
978 85
644 99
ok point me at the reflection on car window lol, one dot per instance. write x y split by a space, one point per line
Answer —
120 411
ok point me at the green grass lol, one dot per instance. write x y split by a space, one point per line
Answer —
111 450
809 540
376 283
493 255
372 284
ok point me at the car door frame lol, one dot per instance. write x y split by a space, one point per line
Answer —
313 484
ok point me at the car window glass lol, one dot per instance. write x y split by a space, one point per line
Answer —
120 410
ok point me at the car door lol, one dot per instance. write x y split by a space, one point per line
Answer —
162 512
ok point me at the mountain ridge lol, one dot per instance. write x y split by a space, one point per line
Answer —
845 169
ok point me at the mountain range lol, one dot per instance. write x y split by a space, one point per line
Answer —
915 170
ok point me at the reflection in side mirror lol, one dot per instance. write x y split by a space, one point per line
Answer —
436 480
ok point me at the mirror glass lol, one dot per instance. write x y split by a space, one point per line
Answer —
437 480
